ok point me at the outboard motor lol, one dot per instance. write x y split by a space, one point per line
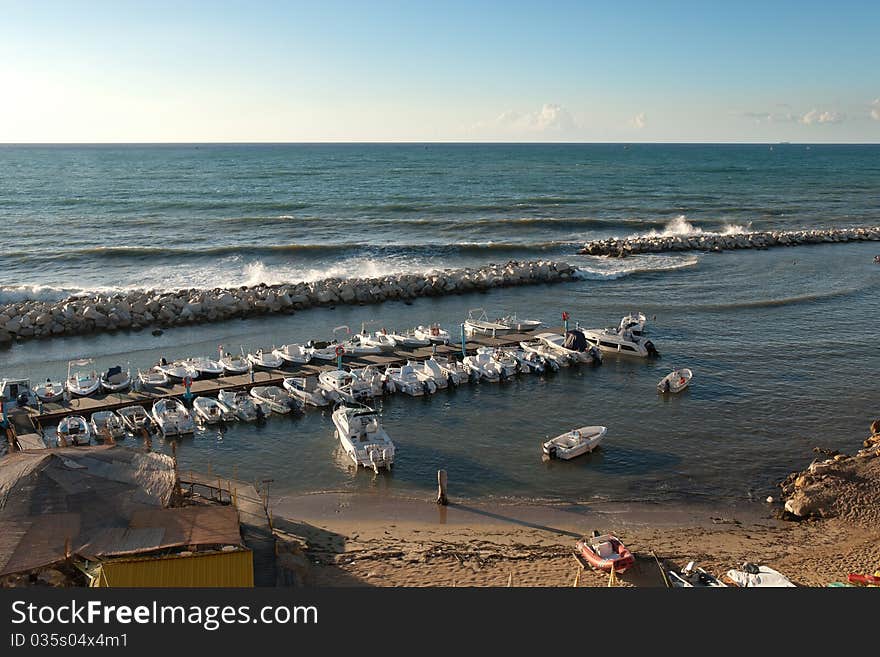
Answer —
450 381
597 355
551 451
426 388
651 349
261 417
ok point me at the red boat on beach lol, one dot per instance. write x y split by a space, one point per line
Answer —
606 552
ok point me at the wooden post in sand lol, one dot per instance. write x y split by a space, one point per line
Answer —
441 488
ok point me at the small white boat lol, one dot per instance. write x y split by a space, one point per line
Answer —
575 346
430 370
307 390
133 417
454 371
516 325
409 340
432 333
327 352
294 353
407 381
275 398
675 381
482 366
116 379
50 391
528 361
553 358
355 346
343 386
574 443
378 381
206 367
235 364
73 430
240 403
172 417
153 377
623 343
507 364
634 322
265 360
211 411
691 577
477 323
363 438
753 576
178 370
82 383
16 392
378 339
106 423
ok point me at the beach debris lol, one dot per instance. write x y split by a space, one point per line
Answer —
770 499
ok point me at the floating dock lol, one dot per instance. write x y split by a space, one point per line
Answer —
52 413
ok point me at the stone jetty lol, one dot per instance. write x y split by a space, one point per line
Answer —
135 310
621 247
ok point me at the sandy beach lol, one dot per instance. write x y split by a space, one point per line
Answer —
364 541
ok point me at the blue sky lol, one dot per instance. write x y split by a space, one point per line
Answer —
422 71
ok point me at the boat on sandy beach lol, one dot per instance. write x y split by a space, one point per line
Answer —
240 403
307 390
363 438
675 381
275 398
210 411
294 353
81 383
116 379
134 418
50 391
432 333
752 576
605 552
152 377
408 382
265 360
172 417
73 430
694 577
107 423
575 442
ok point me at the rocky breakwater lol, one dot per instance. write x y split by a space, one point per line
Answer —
137 310
621 247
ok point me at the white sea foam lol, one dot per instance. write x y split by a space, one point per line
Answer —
606 268
681 227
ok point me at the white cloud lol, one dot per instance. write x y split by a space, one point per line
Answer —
550 119
815 116
875 110
639 121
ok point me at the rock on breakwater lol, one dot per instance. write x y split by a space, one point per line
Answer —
621 247
134 310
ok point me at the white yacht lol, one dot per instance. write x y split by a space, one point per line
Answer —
172 417
363 438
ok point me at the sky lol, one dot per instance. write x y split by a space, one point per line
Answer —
225 71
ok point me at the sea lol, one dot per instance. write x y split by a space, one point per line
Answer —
782 342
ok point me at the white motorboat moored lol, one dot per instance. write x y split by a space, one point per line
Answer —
16 392
378 381
635 322
363 438
294 353
278 400
432 333
50 391
378 339
107 423
507 364
235 364
409 340
675 381
529 361
178 370
265 360
172 417
452 369
116 379
407 381
477 323
519 325
430 370
206 367
210 411
574 443
482 366
553 358
73 430
82 383
307 390
624 343
152 377
574 345
343 386
134 418
241 403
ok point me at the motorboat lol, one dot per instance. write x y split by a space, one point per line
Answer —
178 370
363 438
675 381
574 345
207 368
355 346
553 358
380 383
343 386
73 430
172 417
152 377
605 552
82 383
752 575
574 443
240 403
430 370
278 400
266 360
477 323
507 364
294 353
454 371
635 322
528 361
432 333
210 411
407 381
107 423
378 339
329 351
116 379
516 325
409 340
483 366
235 364
307 390
616 342
16 392
50 391
134 418
694 577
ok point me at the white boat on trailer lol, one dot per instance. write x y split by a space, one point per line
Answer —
363 438
307 390
73 430
106 423
574 443
172 417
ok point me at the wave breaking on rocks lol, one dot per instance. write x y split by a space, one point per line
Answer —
624 246
135 310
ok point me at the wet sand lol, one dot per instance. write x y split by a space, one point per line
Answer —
357 540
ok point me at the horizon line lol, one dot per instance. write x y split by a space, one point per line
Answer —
435 142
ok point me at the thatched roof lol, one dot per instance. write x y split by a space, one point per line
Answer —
96 501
